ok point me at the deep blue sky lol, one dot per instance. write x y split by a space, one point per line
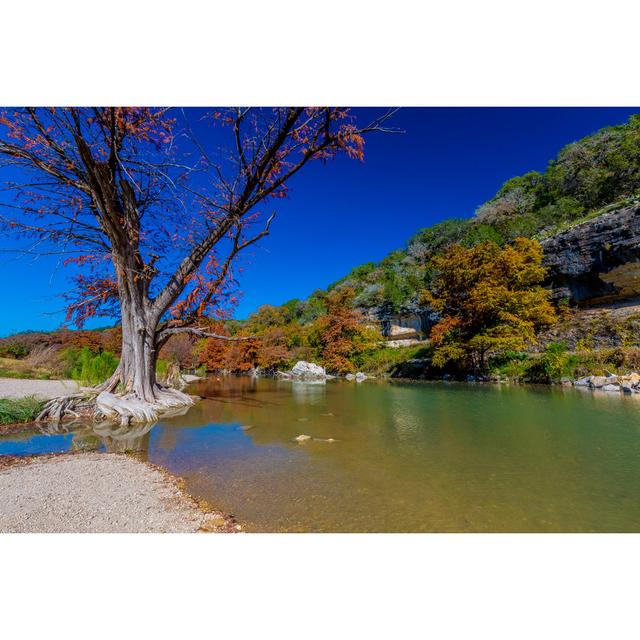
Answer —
446 163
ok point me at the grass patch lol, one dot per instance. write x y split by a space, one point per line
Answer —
12 373
561 227
385 359
19 409
21 369
558 362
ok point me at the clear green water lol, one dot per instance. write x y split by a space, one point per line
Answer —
407 456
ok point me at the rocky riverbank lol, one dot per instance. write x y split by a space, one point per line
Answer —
611 383
98 493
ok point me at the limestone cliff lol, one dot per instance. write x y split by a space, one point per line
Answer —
594 263
597 261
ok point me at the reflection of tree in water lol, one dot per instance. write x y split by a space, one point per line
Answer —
112 437
118 439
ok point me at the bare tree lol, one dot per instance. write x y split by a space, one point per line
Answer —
154 216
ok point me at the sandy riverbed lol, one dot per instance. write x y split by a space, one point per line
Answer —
97 493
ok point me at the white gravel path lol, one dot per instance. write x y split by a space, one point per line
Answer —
45 389
94 493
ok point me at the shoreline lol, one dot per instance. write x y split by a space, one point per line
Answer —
90 492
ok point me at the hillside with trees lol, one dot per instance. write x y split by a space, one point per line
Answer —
589 177
481 277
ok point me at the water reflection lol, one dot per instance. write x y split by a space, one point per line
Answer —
101 435
308 392
393 456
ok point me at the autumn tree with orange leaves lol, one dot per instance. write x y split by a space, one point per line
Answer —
490 300
154 216
341 336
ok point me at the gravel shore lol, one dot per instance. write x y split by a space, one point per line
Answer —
45 389
98 493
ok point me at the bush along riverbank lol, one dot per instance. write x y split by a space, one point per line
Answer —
610 370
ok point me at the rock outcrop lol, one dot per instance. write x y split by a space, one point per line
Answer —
594 263
410 322
306 371
618 384
597 261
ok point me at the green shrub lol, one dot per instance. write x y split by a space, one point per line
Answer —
88 367
162 366
555 363
17 350
512 365
19 409
384 359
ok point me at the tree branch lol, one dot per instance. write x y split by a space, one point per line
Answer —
163 335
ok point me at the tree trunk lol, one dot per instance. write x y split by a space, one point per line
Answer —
140 397
139 357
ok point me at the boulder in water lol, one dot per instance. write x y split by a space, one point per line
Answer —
308 371
597 382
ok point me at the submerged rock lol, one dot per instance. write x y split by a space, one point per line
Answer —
302 438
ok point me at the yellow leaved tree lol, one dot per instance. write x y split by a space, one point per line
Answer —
490 301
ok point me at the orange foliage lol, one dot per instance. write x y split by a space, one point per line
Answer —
272 351
341 336
212 354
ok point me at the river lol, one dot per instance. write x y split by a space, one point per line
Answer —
393 456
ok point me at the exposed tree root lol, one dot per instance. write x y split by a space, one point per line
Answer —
125 409
75 405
